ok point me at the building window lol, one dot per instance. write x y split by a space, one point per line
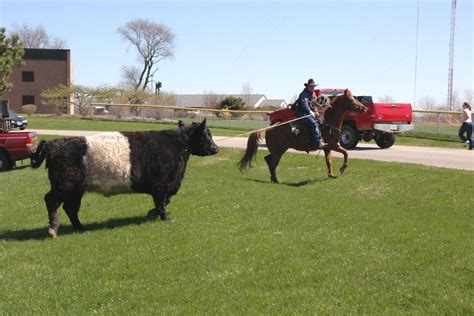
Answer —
28 76
28 99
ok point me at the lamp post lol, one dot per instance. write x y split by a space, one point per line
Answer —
158 85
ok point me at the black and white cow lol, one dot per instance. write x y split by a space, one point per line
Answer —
151 162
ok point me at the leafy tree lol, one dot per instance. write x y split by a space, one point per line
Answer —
80 96
11 56
232 103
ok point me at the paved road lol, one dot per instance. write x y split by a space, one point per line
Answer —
438 157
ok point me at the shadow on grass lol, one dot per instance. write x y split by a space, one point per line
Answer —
291 184
42 233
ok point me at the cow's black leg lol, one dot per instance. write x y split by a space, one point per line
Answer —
53 201
71 206
159 210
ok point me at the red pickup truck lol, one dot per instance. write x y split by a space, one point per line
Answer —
382 121
14 146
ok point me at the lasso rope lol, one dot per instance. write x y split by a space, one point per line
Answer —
264 128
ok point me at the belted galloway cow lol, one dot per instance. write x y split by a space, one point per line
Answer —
152 162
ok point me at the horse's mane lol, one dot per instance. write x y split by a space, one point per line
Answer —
336 99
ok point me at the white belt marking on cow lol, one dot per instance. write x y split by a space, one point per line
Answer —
107 162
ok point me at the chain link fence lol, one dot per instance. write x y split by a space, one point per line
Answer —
436 124
241 120
428 123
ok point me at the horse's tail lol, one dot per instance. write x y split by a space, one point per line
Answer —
251 151
38 156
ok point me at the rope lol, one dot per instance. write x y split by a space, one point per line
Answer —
263 129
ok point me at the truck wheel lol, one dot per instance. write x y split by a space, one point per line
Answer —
349 138
4 163
385 140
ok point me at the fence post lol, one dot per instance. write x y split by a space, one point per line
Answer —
437 128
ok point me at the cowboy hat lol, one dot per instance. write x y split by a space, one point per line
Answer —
311 83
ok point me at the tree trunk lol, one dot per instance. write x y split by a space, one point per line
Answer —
150 65
145 66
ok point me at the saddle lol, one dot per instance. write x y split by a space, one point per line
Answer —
299 128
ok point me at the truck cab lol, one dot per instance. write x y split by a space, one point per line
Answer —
382 121
14 146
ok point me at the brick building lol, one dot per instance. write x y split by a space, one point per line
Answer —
43 69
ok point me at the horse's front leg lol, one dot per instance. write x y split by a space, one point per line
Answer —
341 150
328 155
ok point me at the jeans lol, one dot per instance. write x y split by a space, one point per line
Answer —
311 123
466 128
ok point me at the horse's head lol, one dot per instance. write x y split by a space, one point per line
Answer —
351 103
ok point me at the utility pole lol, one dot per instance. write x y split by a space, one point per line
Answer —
451 56
416 52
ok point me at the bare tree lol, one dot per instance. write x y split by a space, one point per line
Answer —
469 95
153 41
37 37
130 76
295 97
386 99
456 100
427 103
211 99
247 92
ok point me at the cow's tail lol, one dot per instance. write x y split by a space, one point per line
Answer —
38 156
251 151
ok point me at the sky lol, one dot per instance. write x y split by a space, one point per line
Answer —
366 46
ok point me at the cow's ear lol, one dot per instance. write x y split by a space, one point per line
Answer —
181 124
203 124
201 128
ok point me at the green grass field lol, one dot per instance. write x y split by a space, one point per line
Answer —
385 238
86 124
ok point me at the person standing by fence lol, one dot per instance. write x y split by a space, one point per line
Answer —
466 127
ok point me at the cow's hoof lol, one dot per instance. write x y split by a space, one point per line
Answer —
52 232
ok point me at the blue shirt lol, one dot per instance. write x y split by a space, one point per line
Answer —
304 101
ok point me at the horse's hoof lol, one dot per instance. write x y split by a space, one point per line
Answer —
52 232
342 170
332 176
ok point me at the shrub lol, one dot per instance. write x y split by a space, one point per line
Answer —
29 109
232 103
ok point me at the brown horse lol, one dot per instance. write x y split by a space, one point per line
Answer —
280 138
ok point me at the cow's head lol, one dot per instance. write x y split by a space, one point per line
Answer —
200 139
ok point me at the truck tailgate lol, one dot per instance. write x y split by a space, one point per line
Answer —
392 112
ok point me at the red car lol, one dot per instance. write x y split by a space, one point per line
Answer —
382 121
14 146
